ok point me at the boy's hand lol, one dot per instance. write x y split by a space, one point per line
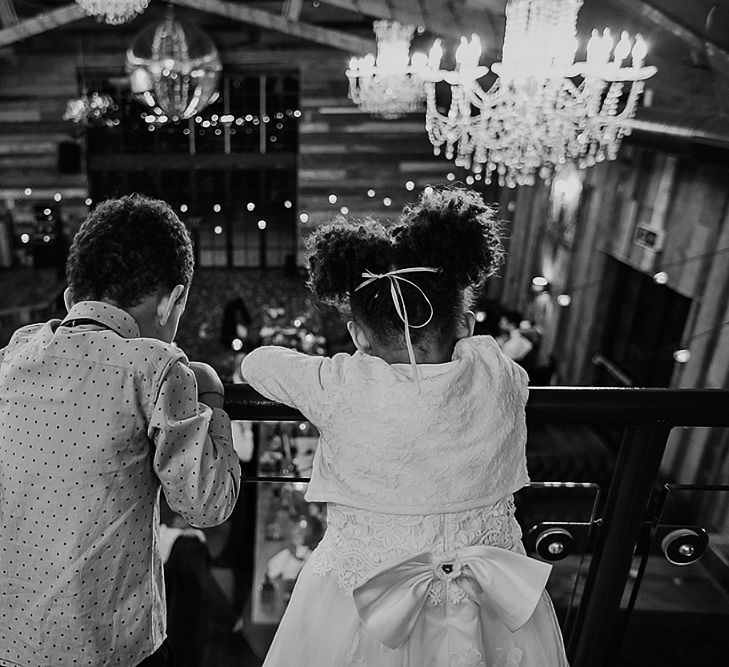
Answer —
209 384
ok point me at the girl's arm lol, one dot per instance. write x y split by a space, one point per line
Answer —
300 380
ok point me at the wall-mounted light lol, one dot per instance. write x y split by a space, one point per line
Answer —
540 284
682 356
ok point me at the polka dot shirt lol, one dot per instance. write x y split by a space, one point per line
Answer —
94 420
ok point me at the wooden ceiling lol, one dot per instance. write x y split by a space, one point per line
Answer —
441 17
688 80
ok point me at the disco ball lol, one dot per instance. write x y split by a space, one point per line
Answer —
174 68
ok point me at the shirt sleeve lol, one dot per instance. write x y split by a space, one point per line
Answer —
296 379
194 457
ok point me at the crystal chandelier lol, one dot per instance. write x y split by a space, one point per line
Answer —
174 68
536 117
389 85
114 12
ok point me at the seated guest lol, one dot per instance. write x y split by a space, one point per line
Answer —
97 413
512 342
236 325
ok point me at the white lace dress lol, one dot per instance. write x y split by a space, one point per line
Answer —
417 482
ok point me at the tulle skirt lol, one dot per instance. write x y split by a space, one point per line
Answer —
321 628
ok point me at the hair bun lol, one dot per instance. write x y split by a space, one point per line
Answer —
452 230
342 250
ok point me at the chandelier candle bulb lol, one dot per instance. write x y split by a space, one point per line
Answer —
606 46
639 52
461 52
622 50
435 55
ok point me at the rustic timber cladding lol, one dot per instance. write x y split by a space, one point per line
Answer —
687 203
35 90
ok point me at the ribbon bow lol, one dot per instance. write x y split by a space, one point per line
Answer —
510 584
395 278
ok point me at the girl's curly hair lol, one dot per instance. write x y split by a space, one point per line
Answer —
128 248
451 230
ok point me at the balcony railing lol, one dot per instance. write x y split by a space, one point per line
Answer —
647 417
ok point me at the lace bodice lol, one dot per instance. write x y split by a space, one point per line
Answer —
359 541
455 444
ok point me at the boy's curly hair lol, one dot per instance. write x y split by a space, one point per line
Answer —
127 249
451 230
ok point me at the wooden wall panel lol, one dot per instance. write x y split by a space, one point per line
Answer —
690 202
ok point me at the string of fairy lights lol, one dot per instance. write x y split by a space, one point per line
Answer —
539 284
251 207
220 123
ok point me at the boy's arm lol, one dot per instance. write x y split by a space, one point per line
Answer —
194 456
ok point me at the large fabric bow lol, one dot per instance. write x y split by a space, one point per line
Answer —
391 600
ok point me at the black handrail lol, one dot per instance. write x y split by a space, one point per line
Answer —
648 416
622 406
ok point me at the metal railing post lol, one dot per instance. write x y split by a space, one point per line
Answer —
595 633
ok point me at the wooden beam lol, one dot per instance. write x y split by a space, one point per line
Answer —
437 17
41 23
263 19
649 12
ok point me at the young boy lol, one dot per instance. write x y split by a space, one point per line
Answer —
97 412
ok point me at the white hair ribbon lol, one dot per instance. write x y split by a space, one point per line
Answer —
395 278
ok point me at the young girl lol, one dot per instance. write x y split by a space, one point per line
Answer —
422 445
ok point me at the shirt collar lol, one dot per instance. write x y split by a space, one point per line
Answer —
107 315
